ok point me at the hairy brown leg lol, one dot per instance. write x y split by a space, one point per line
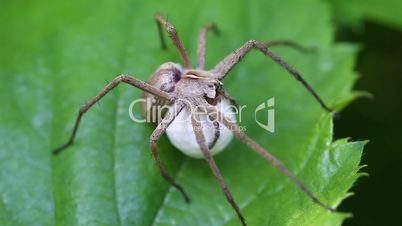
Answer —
232 100
158 132
121 78
217 115
197 127
174 36
160 34
288 43
224 66
217 134
202 42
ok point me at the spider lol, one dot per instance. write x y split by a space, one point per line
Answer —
193 96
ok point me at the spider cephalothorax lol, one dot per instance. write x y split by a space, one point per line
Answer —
194 107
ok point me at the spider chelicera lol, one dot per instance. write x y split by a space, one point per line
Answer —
193 95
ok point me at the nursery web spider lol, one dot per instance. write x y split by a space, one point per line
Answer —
185 89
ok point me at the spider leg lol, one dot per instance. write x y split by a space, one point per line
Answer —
288 43
224 66
174 36
197 127
156 134
121 78
160 34
202 41
216 114
232 100
217 134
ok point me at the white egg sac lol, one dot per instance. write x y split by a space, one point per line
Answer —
181 133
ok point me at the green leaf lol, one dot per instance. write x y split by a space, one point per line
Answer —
55 55
353 12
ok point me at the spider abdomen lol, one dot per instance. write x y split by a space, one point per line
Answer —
217 136
164 78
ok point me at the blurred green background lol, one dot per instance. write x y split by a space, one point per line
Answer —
377 27
374 25
377 197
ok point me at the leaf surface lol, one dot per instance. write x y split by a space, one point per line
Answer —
55 55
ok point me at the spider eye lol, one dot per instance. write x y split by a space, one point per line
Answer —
211 86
